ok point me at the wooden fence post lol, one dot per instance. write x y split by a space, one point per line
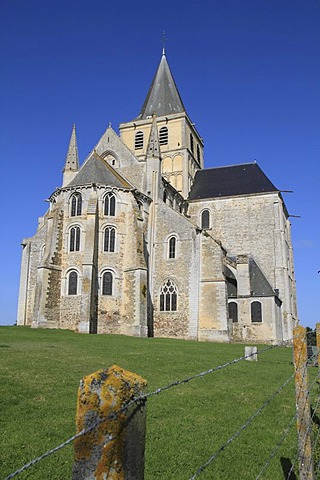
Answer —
302 404
318 347
114 449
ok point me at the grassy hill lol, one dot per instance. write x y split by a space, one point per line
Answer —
40 373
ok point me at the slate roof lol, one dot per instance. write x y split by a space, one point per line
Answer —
163 97
229 181
260 286
97 170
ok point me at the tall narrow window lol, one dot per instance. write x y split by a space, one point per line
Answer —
74 245
73 283
191 143
233 311
205 219
110 205
256 312
163 136
168 297
107 283
76 204
198 154
138 141
172 247
109 239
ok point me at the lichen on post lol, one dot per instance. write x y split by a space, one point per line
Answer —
114 449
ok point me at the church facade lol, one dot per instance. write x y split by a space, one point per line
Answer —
143 240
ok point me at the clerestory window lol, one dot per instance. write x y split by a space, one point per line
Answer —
74 239
168 297
110 205
76 205
109 239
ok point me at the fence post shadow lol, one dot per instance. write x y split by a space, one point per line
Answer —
286 465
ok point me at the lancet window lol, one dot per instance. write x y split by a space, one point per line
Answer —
205 219
109 239
74 239
110 204
76 205
172 244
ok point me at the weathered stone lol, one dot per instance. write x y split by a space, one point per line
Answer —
114 449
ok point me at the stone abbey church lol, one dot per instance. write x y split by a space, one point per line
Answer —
143 240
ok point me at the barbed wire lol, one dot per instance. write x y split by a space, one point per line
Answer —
283 437
310 426
241 429
141 398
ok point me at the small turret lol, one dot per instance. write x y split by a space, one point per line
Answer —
71 167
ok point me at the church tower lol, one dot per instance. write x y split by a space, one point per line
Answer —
181 146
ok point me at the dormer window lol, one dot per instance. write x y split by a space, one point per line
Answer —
138 141
163 136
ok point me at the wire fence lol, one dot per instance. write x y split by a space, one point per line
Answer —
144 397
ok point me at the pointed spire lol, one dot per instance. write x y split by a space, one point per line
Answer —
163 96
72 158
153 149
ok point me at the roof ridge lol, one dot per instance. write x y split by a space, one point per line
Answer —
228 166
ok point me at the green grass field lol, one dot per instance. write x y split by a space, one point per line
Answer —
40 373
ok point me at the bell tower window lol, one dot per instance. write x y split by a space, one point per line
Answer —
138 141
163 136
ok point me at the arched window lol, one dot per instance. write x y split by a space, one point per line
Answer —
163 136
109 239
172 247
168 297
138 141
110 204
233 311
74 239
107 283
76 205
191 143
205 219
73 283
256 312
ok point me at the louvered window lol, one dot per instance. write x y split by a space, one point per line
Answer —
163 136
138 141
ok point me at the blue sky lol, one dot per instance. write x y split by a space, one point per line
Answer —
248 73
